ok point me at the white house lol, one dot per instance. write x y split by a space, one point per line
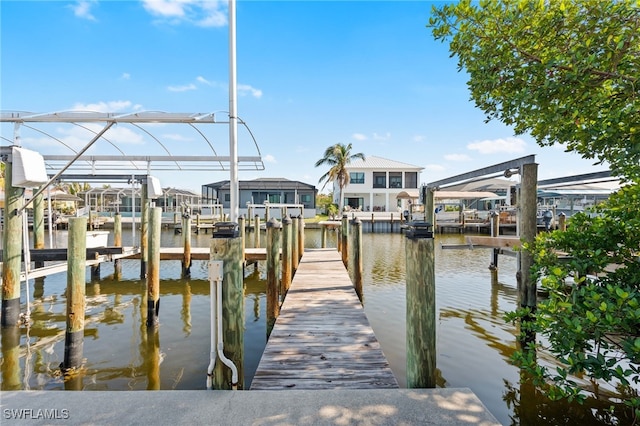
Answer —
380 185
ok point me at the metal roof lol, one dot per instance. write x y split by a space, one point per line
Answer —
264 184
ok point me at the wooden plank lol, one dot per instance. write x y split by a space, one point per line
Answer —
497 242
322 338
202 253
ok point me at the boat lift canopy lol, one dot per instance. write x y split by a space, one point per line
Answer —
145 125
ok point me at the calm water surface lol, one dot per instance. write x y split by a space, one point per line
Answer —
473 341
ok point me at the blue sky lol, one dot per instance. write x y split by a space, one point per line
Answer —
310 74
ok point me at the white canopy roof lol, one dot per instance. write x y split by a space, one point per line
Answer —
463 195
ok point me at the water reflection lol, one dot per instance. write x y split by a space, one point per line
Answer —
120 353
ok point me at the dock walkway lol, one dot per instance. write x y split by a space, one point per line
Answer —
322 338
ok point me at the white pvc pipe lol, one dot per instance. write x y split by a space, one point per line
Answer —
215 272
50 219
27 261
215 279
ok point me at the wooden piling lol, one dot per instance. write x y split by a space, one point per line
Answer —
38 223
256 229
429 206
300 237
12 250
197 223
528 231
76 282
144 223
495 232
186 243
356 244
117 230
117 242
421 312
562 222
323 238
295 257
344 236
153 269
286 257
273 273
373 219
228 250
243 235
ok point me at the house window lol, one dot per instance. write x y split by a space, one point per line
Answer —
410 179
395 179
379 179
356 177
227 198
274 198
306 200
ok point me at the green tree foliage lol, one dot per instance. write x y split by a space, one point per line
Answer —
74 188
337 157
590 320
325 202
563 71
567 72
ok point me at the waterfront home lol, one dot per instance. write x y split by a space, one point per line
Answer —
380 185
259 191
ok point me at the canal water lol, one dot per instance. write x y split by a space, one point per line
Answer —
473 341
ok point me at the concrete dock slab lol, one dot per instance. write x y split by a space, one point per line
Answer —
451 406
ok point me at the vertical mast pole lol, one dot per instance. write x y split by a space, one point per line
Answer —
233 112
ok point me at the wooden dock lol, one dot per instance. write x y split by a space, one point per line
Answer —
322 338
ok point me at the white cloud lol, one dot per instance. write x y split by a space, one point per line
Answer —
203 13
244 89
82 9
166 8
184 88
176 137
111 106
123 135
359 137
125 76
77 137
435 167
269 159
383 137
201 79
419 138
508 145
457 157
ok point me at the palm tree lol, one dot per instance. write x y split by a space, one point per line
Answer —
338 157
